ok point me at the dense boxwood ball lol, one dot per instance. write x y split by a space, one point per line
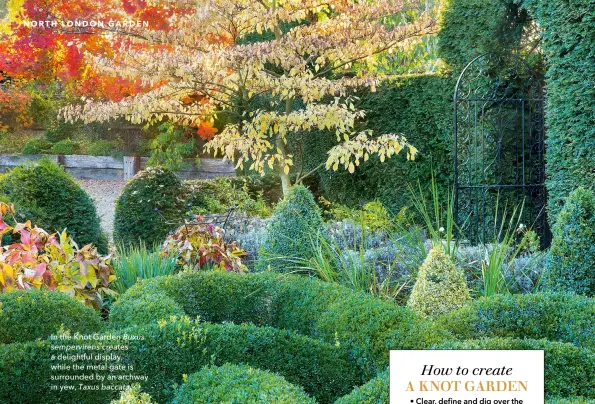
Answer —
151 205
26 315
292 232
561 317
143 306
572 254
236 384
51 199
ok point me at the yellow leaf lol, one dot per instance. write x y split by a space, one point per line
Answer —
351 168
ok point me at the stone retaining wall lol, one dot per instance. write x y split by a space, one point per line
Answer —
110 168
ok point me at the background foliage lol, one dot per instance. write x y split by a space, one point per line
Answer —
420 107
566 29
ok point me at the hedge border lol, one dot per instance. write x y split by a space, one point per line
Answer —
563 317
366 326
179 346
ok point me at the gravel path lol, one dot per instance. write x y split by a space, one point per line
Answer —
104 194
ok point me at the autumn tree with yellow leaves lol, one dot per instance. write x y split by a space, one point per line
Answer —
205 66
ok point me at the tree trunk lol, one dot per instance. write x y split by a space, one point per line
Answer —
285 180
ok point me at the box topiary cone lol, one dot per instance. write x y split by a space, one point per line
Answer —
440 288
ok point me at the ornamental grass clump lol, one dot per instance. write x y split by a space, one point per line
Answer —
140 262
440 288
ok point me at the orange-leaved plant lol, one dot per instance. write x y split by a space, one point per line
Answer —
201 246
39 260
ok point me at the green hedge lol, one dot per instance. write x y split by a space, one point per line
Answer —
181 346
366 326
570 260
149 207
420 107
373 392
238 384
51 199
566 29
26 315
65 147
469 28
569 369
557 317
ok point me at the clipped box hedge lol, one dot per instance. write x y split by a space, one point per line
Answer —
374 392
175 347
569 369
27 315
368 327
239 384
554 316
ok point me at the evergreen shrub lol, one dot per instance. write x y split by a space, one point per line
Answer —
373 392
151 205
293 230
440 287
37 146
366 326
48 196
176 346
27 315
566 29
561 317
569 266
568 369
238 384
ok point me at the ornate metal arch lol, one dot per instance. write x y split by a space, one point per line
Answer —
499 146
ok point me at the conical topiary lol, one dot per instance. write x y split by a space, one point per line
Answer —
293 231
569 265
440 288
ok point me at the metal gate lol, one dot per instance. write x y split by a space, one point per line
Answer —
499 147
